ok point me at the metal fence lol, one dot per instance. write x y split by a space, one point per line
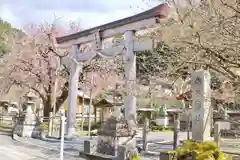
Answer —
55 123
7 122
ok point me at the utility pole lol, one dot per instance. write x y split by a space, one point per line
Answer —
63 118
54 96
89 114
83 101
54 93
83 106
90 105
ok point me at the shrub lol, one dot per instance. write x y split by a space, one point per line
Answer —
134 157
44 126
93 125
199 151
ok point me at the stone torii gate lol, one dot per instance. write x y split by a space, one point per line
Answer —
127 47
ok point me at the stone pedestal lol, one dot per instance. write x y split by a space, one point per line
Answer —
116 139
167 156
27 125
162 121
115 132
201 107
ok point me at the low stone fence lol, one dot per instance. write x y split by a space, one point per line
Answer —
7 119
229 128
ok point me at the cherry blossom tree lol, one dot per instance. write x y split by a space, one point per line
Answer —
37 64
205 36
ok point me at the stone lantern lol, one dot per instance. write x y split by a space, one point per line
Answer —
162 118
27 124
29 103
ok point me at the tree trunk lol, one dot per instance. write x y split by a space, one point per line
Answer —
59 101
95 114
46 109
62 98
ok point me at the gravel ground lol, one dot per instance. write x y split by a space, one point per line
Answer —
28 148
34 149
16 150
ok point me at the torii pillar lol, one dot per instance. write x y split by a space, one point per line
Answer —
75 69
129 56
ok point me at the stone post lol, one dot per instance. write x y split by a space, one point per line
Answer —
61 124
201 107
145 133
176 130
217 134
50 124
188 125
75 68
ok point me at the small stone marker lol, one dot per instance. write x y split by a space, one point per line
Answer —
201 107
217 134
176 131
145 133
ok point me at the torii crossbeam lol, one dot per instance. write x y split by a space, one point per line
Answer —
127 47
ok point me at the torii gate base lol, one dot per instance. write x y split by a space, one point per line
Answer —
127 47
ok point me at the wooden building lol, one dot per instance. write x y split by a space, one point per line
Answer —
79 102
106 107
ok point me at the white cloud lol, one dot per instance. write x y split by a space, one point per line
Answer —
7 15
90 12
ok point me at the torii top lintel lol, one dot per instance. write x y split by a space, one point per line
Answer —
142 20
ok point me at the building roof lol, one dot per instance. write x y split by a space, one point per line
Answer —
107 103
81 94
172 110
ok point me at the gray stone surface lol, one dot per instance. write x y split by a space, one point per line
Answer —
17 150
72 147
35 149
201 102
90 146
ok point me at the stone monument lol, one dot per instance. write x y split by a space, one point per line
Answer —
27 124
201 105
114 139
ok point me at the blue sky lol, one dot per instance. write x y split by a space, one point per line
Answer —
88 13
